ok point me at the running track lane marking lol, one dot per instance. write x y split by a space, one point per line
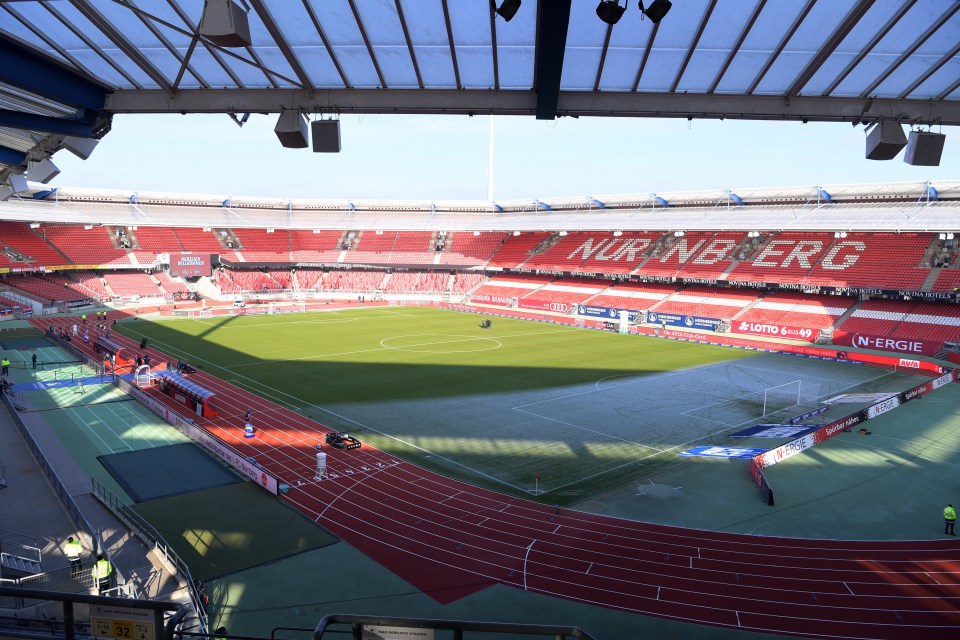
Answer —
346 491
558 528
851 590
525 556
277 392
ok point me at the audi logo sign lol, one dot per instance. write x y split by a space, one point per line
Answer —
544 305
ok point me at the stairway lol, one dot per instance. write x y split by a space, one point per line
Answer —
14 566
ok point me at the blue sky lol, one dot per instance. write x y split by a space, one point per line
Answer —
445 157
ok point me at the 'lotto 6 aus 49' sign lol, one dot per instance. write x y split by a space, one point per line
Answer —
775 330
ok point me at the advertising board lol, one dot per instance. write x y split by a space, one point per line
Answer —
189 265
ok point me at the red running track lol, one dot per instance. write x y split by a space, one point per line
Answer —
451 539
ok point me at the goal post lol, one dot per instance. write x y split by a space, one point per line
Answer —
782 396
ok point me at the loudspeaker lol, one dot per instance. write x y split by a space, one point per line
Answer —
326 136
18 182
224 23
291 129
924 148
885 141
80 147
42 170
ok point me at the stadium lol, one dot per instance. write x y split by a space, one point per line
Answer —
709 413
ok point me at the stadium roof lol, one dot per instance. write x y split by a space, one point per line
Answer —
913 206
69 65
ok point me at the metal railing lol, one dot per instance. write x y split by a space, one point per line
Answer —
147 532
3 475
458 627
75 610
55 483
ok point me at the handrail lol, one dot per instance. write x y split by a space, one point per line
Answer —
34 552
65 498
29 537
135 521
457 626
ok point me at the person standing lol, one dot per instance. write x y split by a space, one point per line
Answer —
102 572
4 366
949 519
74 328
33 359
246 418
72 549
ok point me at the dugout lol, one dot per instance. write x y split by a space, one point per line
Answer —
108 349
187 393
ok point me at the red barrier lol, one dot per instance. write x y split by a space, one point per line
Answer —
544 305
911 346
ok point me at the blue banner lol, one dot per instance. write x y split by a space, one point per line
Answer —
677 320
608 313
776 431
721 452
808 414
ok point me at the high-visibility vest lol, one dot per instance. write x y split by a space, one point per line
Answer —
5 362
949 514
101 569
73 550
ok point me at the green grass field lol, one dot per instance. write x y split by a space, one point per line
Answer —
590 410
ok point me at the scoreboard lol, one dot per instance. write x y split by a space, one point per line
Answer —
191 265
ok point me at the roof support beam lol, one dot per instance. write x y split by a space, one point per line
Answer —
128 48
842 31
569 103
553 19
277 34
11 156
26 70
47 124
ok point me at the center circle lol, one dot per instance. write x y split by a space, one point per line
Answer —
439 343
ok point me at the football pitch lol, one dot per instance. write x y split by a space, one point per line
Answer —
527 408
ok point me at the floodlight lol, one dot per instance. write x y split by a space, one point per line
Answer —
657 10
610 11
42 170
225 24
508 9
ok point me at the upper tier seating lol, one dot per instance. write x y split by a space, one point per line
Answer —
466 248
947 279
36 252
307 246
85 246
798 310
679 252
873 260
395 247
261 246
714 257
707 302
516 249
595 251
192 239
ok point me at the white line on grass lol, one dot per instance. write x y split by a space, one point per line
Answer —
301 402
594 431
249 325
